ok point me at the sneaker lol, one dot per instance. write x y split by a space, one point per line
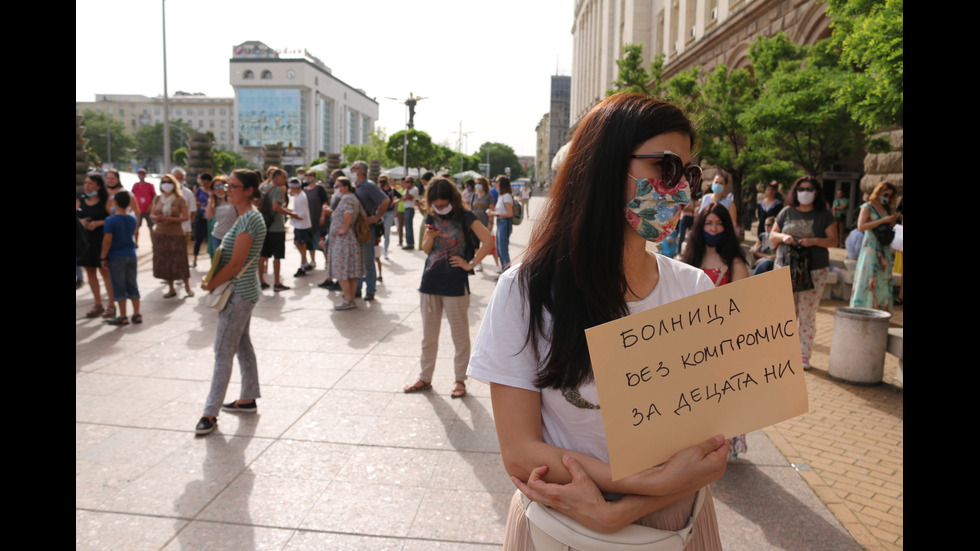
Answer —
479 268
386 256
408 247
306 266
235 407
369 296
280 287
264 286
205 426
357 294
345 305
300 273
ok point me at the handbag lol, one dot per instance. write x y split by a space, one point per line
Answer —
361 227
884 233
798 259
552 530
218 298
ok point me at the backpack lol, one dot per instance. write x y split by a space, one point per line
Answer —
268 214
518 213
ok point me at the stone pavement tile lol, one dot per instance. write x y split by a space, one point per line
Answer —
97 531
432 434
185 481
319 541
390 466
214 536
368 509
305 460
348 429
264 500
111 460
422 405
426 545
472 471
458 515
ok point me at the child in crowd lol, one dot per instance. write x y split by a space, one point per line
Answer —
119 256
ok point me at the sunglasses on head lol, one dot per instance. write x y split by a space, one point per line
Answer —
674 170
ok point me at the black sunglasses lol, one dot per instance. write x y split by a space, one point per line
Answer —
674 170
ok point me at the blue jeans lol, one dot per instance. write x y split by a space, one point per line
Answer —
370 269
389 219
504 227
409 232
762 268
122 273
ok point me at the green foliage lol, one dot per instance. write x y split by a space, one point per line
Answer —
783 172
420 148
101 129
149 139
632 76
796 116
180 155
375 149
226 161
501 156
870 36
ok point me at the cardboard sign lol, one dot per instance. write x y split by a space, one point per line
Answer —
725 361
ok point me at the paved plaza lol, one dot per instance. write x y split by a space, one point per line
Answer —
338 457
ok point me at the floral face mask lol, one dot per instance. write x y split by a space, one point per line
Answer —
655 210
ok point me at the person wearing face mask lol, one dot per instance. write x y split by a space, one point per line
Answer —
168 211
803 232
624 184
345 257
219 212
714 248
873 276
721 194
92 213
445 284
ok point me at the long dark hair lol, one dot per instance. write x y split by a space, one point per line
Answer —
102 192
728 249
573 267
443 189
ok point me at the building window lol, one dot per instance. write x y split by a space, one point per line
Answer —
267 75
109 109
211 124
326 108
270 115
211 111
179 112
223 112
156 111
248 75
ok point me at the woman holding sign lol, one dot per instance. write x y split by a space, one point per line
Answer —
714 248
625 181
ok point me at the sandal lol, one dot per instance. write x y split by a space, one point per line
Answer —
137 318
459 390
190 293
110 313
419 386
171 294
118 321
95 312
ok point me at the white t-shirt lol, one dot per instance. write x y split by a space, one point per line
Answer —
410 196
499 355
500 209
301 206
188 196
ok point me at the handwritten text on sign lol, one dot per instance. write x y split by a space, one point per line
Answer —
723 361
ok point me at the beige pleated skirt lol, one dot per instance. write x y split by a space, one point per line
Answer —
673 517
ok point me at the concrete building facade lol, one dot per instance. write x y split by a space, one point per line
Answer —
542 155
297 101
687 32
202 113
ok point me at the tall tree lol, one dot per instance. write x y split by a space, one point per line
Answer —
103 132
150 139
375 149
870 35
796 116
501 157
419 148
632 76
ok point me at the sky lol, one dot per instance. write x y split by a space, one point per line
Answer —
487 65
